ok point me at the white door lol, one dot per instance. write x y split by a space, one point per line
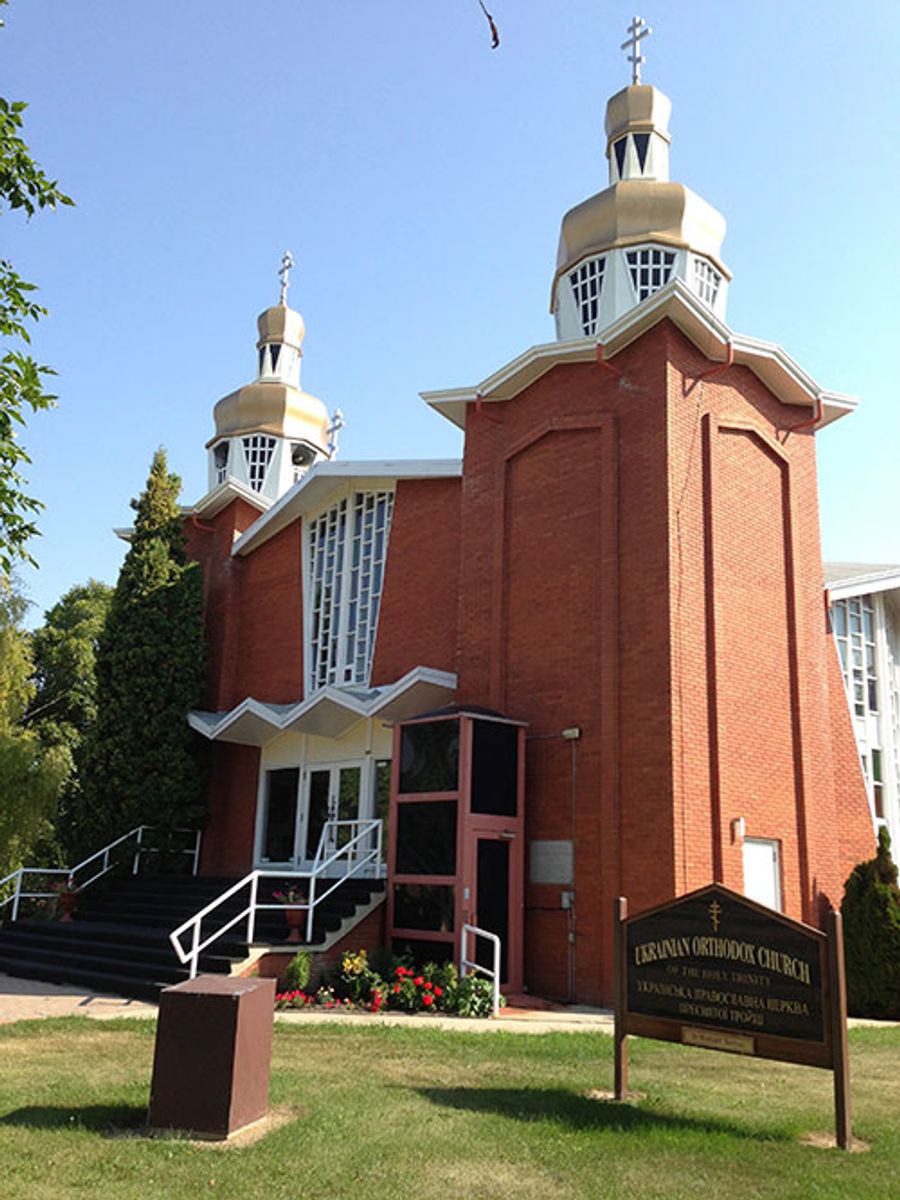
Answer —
762 871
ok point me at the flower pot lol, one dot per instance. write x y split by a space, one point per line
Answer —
67 904
295 918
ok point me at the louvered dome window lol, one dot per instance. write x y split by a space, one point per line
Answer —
258 451
651 268
346 554
587 284
706 281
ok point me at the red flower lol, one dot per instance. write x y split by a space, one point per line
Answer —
418 981
396 988
438 991
428 1000
428 987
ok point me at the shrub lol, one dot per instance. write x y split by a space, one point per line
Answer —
298 971
871 911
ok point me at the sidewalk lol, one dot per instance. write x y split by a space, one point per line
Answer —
29 1000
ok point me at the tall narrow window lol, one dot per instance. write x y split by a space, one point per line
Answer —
347 551
651 269
587 284
258 450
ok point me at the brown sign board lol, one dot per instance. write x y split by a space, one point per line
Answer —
716 970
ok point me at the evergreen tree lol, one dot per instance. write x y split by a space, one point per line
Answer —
140 762
871 911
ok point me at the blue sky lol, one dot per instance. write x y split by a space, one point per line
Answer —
419 178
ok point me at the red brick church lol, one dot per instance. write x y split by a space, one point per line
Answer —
591 659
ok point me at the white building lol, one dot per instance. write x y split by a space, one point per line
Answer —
864 601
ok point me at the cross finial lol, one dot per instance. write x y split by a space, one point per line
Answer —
287 261
638 30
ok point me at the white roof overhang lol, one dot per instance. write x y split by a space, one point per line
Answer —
330 712
784 377
326 480
860 580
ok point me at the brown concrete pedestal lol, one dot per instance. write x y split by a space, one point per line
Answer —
212 1056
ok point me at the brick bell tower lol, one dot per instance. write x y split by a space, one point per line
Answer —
641 580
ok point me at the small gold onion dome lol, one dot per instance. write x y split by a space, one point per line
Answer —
276 404
639 108
281 324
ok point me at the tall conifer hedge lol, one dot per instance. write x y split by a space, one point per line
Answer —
141 763
871 911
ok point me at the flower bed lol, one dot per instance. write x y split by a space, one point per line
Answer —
357 986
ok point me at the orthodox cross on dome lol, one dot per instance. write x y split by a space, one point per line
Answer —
638 30
287 261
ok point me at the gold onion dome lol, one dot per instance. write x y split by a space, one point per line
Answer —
640 207
274 403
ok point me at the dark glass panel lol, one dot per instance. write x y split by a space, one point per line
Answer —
619 148
423 952
429 757
493 901
494 768
426 838
276 350
348 802
641 142
319 785
281 813
383 794
421 906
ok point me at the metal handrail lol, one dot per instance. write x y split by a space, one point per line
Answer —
365 831
466 963
18 895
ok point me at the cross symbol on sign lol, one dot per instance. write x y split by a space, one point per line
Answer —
715 910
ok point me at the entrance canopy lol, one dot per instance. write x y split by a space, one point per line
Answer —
329 712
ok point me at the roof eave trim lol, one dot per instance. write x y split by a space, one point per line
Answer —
784 377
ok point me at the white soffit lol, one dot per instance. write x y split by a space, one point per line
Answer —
327 479
330 712
843 580
223 494
784 377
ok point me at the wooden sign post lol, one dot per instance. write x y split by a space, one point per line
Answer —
716 970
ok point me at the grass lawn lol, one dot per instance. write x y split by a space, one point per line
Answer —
424 1114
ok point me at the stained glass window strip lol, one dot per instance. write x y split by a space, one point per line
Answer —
258 451
651 269
587 284
347 553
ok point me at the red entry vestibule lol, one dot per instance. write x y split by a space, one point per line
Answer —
456 843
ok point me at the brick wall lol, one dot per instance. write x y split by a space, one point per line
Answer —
418 616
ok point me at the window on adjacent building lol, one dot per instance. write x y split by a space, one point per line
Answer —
587 284
853 622
651 268
706 281
347 549
258 451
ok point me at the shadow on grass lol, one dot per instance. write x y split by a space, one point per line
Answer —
575 1111
109 1119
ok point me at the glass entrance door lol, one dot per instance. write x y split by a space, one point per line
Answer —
298 803
330 793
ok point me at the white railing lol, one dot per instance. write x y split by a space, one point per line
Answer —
360 850
467 964
102 859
